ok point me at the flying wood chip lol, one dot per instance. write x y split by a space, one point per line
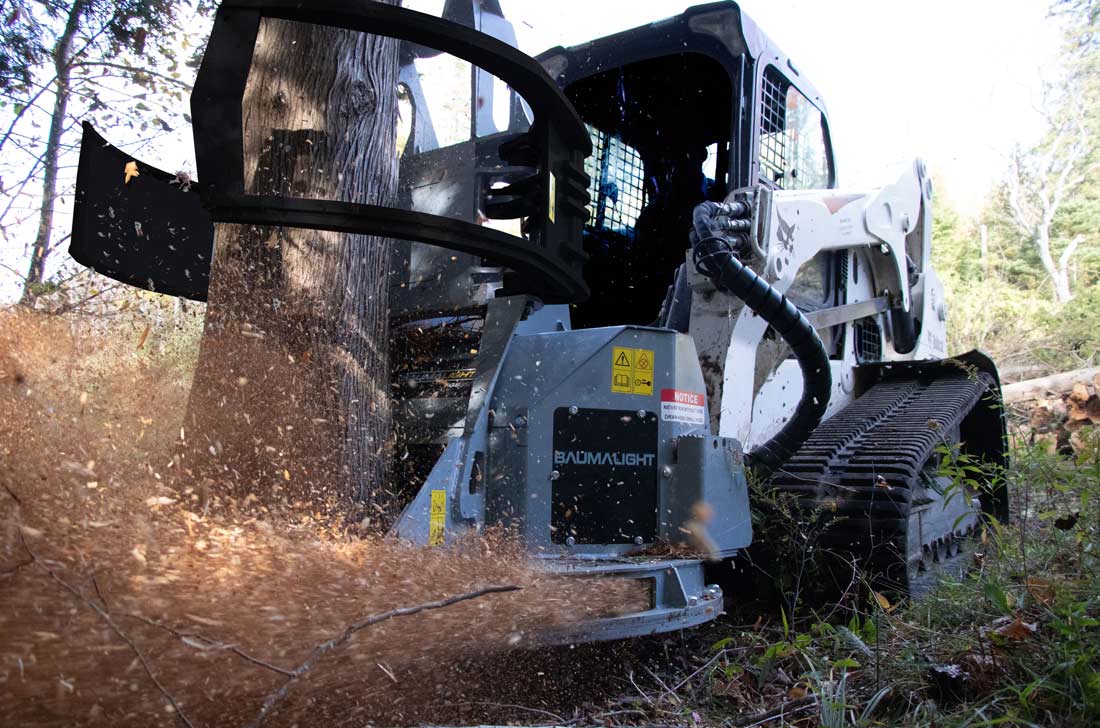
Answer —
131 171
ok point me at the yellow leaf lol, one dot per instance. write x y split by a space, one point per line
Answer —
131 171
883 602
286 475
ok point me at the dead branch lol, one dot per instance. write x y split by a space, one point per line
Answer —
202 642
319 651
784 710
110 623
11 492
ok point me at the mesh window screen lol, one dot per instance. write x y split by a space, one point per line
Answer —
773 127
617 186
793 150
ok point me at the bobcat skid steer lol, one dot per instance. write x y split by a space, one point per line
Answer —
667 293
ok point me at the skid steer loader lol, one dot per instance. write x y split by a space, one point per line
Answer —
668 293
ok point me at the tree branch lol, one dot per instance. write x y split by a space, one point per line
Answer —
276 697
1063 259
110 623
75 305
132 69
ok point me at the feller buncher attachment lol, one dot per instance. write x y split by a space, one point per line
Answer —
642 236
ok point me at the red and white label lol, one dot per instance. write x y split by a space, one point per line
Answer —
680 406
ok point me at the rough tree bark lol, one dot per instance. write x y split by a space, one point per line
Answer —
290 396
62 60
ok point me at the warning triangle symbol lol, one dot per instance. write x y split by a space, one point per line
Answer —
622 361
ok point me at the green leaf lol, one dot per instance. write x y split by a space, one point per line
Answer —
721 644
847 662
994 593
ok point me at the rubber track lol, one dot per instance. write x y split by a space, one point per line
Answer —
864 463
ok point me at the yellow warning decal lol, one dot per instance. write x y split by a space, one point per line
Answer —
437 520
553 197
632 370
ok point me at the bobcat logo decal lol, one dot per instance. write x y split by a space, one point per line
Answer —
786 232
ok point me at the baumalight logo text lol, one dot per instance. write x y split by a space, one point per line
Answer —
586 457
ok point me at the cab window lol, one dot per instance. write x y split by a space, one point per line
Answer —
793 149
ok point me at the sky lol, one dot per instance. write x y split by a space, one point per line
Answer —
957 82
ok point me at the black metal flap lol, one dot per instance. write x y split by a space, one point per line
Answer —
150 230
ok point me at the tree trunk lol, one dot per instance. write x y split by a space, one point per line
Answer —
1056 271
61 60
290 396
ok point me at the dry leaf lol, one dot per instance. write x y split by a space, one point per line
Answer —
159 500
1017 630
286 475
796 692
131 171
1080 392
883 602
139 554
1042 590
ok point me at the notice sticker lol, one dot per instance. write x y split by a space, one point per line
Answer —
680 406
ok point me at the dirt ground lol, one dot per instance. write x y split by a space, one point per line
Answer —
127 600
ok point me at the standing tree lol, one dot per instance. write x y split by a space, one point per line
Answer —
290 396
61 61
1047 188
1039 183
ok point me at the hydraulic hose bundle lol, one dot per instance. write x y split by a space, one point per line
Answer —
720 233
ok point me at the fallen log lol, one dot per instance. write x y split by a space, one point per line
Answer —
1032 389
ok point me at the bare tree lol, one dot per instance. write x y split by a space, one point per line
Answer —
61 61
1038 184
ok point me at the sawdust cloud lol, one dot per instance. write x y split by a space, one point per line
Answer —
87 429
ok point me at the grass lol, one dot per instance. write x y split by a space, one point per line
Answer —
1013 641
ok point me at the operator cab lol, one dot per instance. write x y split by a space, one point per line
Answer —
679 112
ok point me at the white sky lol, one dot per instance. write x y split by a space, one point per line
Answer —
957 82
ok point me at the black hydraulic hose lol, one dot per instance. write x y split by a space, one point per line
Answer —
714 255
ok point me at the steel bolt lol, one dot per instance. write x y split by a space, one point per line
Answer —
666 471
521 421
692 601
554 475
570 541
639 540
641 414
573 409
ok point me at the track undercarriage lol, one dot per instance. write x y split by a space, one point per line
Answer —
874 472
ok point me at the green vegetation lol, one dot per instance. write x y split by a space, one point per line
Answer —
1011 641
1023 277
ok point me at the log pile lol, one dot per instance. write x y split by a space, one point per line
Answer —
1062 409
